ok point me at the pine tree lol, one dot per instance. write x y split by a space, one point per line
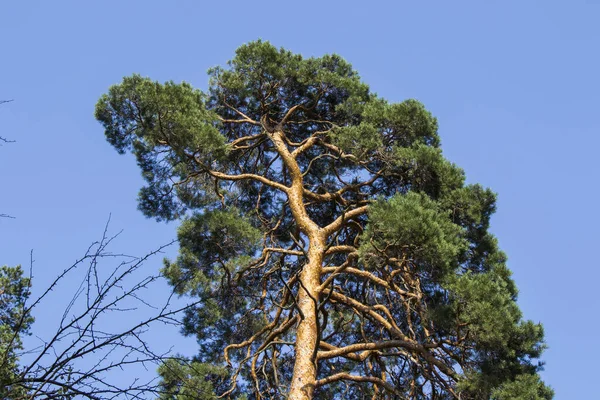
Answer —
334 252
15 322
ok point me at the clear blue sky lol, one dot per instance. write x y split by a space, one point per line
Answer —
515 85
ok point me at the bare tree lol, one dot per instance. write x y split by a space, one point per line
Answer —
80 357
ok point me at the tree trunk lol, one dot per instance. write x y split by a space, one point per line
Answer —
305 369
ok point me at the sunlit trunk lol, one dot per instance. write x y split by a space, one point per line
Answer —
305 369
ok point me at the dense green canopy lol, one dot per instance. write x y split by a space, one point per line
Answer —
14 323
286 160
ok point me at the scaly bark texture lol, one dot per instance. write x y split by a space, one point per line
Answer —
333 251
305 370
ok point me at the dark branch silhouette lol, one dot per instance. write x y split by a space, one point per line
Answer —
79 359
2 138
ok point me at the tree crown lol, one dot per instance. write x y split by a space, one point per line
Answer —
309 204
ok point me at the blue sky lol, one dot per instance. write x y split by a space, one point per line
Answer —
515 86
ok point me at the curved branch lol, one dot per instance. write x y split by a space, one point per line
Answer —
339 221
356 378
240 177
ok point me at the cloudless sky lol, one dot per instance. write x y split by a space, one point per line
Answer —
515 85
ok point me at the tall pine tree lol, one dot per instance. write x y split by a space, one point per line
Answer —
334 251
